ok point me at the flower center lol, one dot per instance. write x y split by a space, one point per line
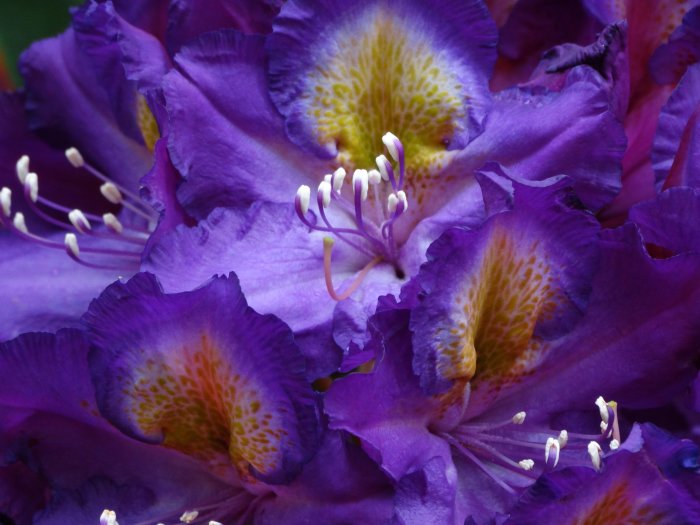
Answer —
502 449
378 201
112 245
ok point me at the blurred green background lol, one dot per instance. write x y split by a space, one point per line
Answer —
23 21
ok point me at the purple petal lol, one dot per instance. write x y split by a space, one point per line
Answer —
670 60
226 138
188 19
68 103
204 374
537 134
675 153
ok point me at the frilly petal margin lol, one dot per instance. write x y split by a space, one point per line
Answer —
204 374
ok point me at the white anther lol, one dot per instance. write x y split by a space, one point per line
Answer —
328 178
602 408
402 197
363 178
22 168
519 418
108 517
304 196
526 464
552 444
112 222
189 516
382 163
31 182
75 158
391 142
71 243
110 192
595 451
338 179
18 222
374 177
392 202
6 201
603 427
79 221
563 438
324 189
212 522
614 444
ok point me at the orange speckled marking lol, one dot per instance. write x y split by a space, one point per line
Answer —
617 508
383 77
490 334
205 409
147 123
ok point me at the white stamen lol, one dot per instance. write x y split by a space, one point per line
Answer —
390 141
552 444
392 202
328 178
519 418
382 162
79 221
603 427
112 222
18 222
594 451
374 177
304 195
526 464
31 181
402 197
189 516
71 243
22 168
6 201
363 178
324 189
110 192
212 522
108 517
563 438
75 158
614 444
338 179
602 408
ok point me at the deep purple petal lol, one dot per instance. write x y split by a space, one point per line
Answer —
670 60
537 134
386 408
69 104
160 360
425 497
339 485
188 19
675 153
226 138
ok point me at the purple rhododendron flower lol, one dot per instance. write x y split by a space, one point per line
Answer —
352 262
